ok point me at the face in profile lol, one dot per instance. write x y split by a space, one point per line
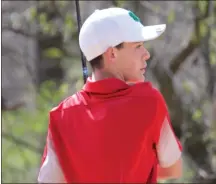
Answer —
131 61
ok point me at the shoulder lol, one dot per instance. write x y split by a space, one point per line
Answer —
157 99
67 104
153 100
148 90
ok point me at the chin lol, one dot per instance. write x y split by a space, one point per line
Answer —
136 79
141 78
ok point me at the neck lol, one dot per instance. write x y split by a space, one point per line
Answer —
103 74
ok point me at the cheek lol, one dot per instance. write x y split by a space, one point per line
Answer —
136 61
131 64
130 61
127 60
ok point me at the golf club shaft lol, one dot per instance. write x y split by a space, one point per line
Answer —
84 66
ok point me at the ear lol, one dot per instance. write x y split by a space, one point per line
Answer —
110 54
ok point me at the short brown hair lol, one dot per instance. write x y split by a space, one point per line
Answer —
97 63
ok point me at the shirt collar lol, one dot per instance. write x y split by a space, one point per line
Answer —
109 85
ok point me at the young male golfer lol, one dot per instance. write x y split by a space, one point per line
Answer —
117 128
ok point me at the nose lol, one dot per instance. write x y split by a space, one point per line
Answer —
146 54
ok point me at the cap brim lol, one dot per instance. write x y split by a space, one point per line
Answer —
153 32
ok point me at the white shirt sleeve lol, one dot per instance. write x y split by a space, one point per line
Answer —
50 171
168 150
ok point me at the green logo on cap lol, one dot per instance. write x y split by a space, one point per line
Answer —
133 16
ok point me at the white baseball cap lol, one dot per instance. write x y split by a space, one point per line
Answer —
109 27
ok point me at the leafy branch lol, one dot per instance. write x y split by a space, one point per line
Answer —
21 142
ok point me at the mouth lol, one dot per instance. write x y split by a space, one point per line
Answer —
143 69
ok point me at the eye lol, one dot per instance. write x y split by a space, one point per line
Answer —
140 45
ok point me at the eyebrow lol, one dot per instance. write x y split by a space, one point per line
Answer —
138 43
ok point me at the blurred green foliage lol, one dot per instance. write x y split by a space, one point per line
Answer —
171 17
23 143
53 53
